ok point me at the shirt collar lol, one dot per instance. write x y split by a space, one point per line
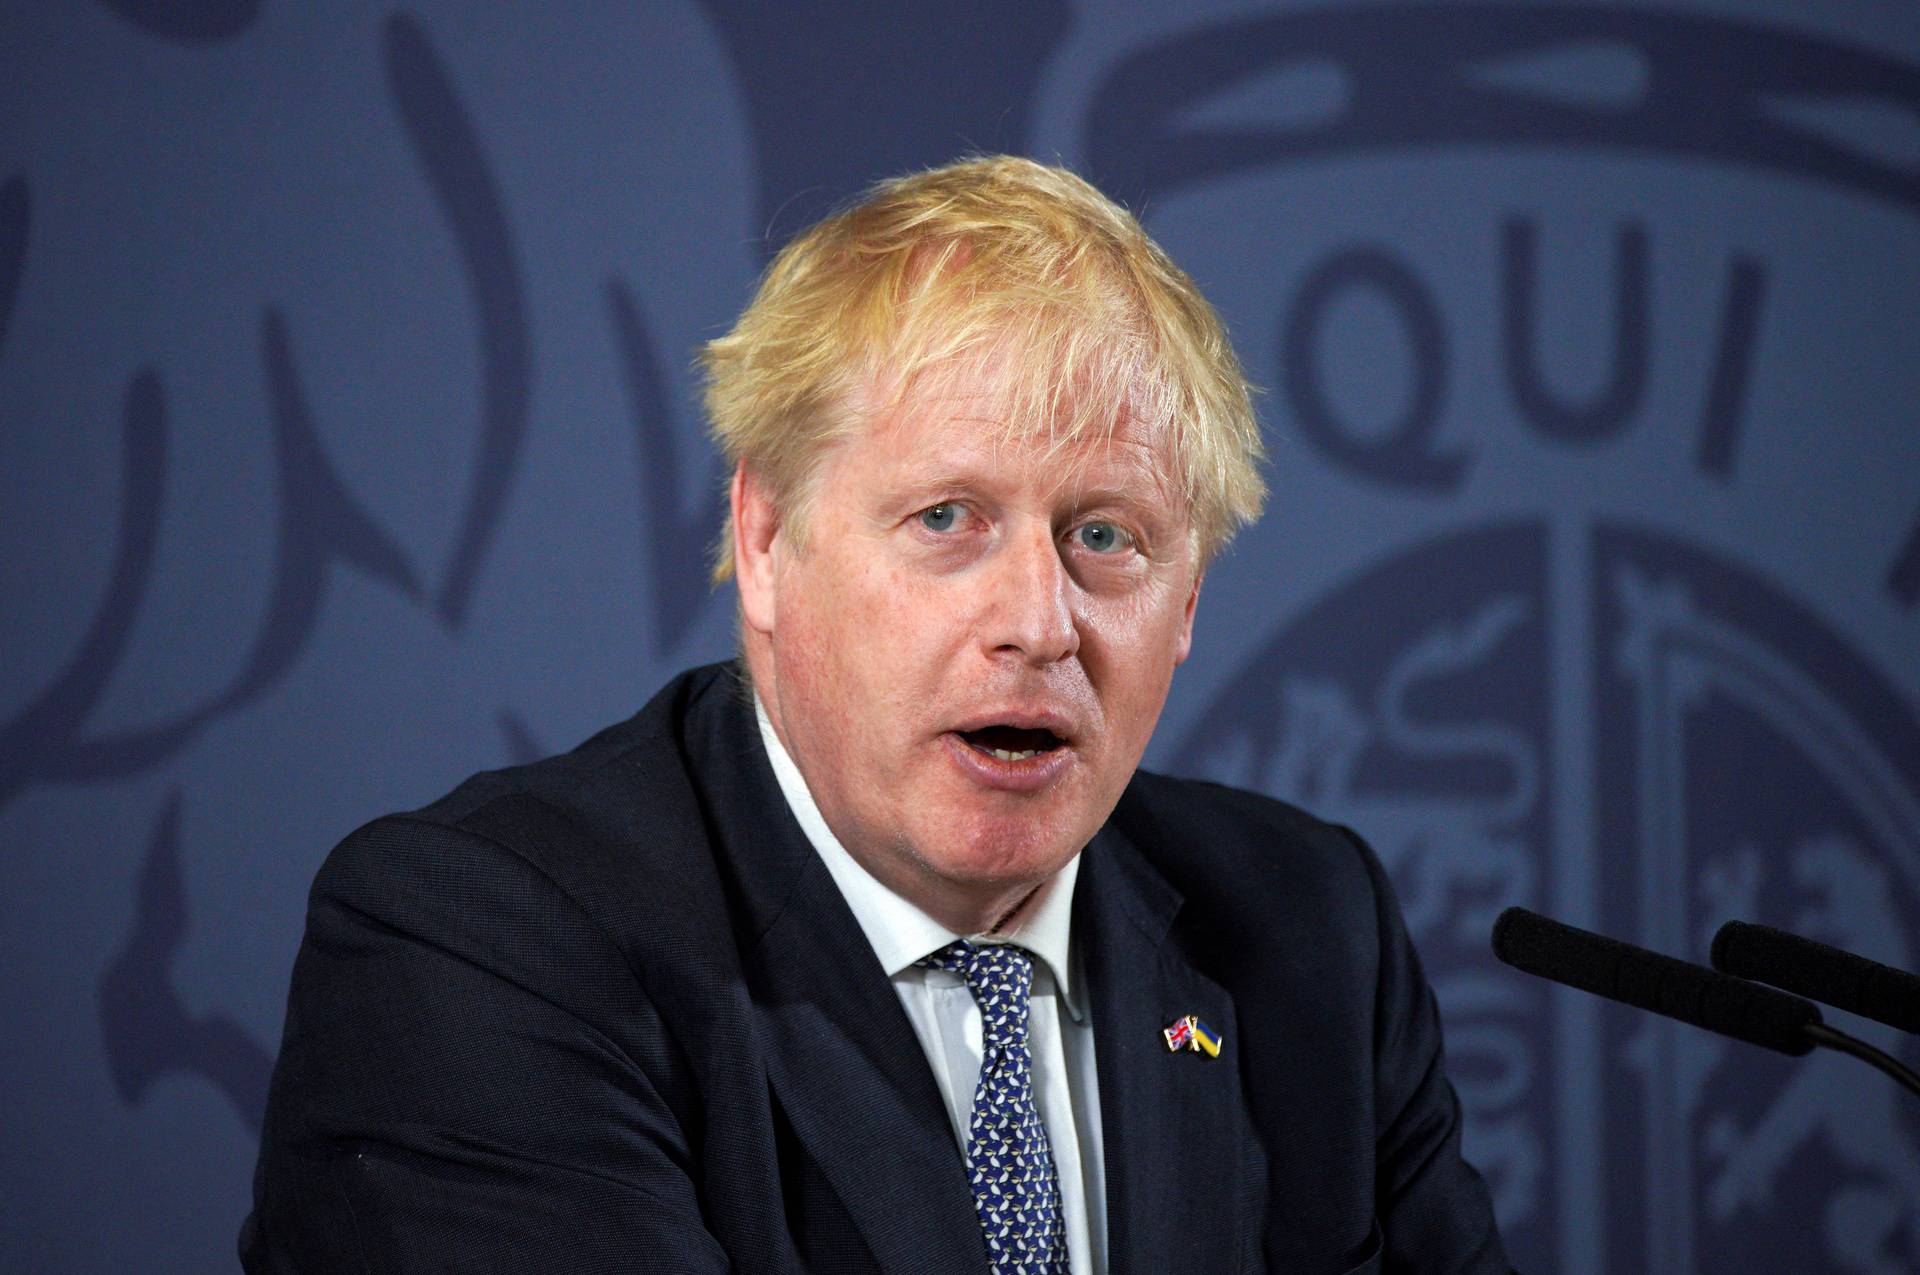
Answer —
898 930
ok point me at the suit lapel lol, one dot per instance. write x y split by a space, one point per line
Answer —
1172 1123
848 1069
841 1056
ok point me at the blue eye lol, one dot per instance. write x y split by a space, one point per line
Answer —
1103 537
939 517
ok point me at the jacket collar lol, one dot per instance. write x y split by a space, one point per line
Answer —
841 1056
1173 1124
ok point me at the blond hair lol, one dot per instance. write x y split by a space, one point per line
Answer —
998 259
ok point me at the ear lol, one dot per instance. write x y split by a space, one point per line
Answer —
1183 644
755 528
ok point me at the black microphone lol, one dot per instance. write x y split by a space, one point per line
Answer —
1647 980
1826 974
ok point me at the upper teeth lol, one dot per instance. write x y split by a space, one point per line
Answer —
1006 755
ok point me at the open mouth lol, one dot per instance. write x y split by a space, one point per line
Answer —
1012 743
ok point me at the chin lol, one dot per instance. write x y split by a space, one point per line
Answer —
1003 851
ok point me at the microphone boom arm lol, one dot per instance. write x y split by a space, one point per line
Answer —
1710 999
1833 1038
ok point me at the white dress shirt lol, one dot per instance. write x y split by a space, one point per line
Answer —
947 1020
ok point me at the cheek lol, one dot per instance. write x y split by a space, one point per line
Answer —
902 616
859 634
1130 648
809 641
1137 637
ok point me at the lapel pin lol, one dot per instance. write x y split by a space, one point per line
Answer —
1189 1033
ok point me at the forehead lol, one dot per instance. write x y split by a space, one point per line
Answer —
969 429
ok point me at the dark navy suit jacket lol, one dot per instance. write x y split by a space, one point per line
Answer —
609 1012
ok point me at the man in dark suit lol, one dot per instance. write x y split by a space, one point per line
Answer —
875 952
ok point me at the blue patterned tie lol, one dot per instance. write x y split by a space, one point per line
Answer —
1009 1161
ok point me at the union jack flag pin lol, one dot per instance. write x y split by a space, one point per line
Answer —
1189 1033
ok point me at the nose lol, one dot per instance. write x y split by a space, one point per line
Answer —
1030 612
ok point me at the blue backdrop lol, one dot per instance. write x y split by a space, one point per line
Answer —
349 443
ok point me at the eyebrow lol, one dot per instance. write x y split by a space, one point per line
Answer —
1107 494
1150 494
937 484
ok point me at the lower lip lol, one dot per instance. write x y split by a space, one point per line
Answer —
1030 775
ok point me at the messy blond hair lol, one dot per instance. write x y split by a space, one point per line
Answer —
996 259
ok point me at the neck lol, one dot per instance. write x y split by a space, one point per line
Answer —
994 911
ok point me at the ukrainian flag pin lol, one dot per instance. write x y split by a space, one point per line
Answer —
1189 1033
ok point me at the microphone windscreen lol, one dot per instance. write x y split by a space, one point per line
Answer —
1648 980
1824 973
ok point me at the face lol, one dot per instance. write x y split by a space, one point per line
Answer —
967 647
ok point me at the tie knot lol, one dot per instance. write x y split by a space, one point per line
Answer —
1001 978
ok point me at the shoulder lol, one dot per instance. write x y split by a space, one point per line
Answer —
1257 872
1198 828
576 849
623 778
